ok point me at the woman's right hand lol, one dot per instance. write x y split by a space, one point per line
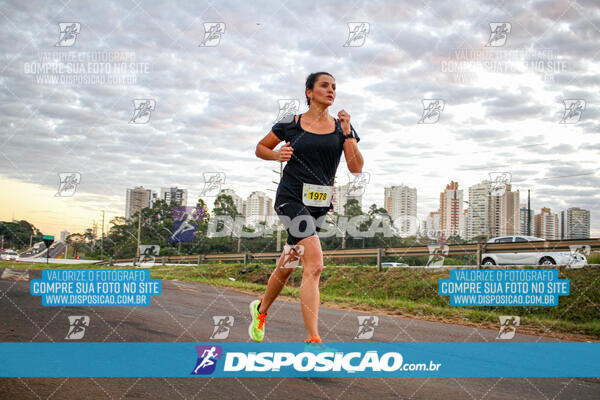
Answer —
285 152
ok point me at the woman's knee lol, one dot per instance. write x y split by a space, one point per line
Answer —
313 268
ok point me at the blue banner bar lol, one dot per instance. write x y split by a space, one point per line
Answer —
95 287
287 359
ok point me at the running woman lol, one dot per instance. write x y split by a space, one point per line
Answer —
314 142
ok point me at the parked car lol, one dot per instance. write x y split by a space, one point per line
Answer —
393 264
524 257
8 255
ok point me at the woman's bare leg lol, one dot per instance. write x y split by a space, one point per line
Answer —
312 264
277 281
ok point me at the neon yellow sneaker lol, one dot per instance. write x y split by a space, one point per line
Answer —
256 330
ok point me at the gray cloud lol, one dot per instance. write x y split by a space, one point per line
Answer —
213 104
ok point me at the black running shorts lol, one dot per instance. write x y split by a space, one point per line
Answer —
299 222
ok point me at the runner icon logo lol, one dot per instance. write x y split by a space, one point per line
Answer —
437 253
212 34
499 182
148 254
507 327
366 326
432 109
186 221
357 34
291 255
142 108
498 34
287 109
222 326
357 184
68 33
77 325
212 183
574 109
207 359
68 183
578 254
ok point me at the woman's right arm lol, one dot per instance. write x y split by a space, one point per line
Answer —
264 149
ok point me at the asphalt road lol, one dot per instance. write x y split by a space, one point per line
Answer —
184 312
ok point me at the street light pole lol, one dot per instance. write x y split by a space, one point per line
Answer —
102 238
138 235
528 212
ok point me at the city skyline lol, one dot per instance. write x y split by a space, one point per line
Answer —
421 216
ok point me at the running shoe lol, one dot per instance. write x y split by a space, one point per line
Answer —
256 330
315 345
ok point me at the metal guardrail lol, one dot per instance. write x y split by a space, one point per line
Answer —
455 249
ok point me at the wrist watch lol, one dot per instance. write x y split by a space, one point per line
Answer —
352 134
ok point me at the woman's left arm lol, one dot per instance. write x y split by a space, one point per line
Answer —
354 159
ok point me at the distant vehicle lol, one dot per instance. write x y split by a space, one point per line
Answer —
393 264
9 255
573 259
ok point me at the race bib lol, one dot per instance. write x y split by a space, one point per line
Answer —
316 195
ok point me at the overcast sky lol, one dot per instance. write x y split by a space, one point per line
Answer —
503 103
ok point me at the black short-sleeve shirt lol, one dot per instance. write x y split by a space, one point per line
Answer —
315 159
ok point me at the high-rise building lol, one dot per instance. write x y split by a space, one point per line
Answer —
401 205
545 225
523 227
510 212
503 213
136 199
452 221
431 225
477 213
64 235
259 208
575 223
340 195
174 196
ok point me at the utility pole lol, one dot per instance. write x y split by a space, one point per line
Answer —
94 234
138 235
2 245
528 212
102 238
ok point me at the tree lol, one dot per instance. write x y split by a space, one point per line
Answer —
17 234
77 242
224 206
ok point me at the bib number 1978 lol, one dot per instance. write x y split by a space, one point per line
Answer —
316 195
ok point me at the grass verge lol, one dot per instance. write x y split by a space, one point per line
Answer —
410 292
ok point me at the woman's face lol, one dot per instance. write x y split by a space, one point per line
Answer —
324 90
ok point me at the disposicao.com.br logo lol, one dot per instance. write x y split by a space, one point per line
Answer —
339 363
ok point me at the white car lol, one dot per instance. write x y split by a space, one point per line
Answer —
393 264
9 255
524 257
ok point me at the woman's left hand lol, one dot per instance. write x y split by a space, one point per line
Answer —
345 121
